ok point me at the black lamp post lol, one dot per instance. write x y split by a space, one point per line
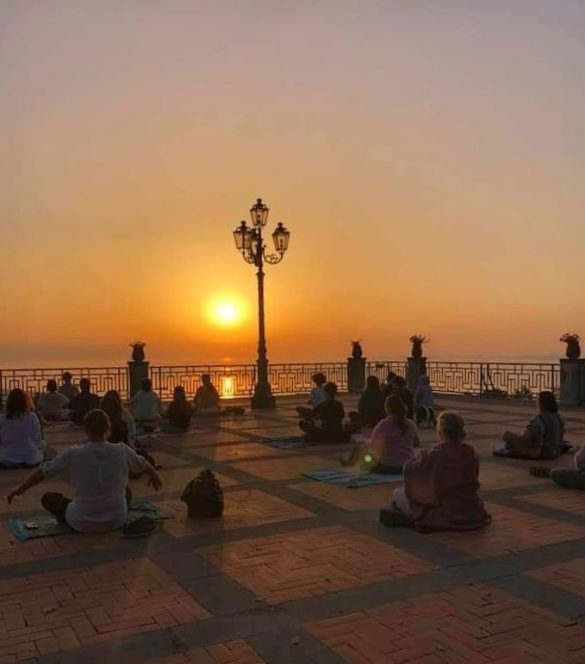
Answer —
250 243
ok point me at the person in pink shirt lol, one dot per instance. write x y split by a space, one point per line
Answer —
441 485
391 444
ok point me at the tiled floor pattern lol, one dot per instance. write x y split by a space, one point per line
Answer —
218 591
281 568
472 624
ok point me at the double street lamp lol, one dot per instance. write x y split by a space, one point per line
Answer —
250 243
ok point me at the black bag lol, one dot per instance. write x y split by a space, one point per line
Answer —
203 496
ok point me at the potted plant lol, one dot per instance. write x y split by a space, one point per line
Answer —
573 346
417 341
138 351
356 350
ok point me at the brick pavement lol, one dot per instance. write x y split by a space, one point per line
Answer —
300 571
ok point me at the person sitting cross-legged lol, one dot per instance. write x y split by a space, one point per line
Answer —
325 424
388 385
543 436
400 389
111 404
52 404
179 412
67 387
85 401
566 478
146 407
424 402
316 395
441 485
21 438
371 407
206 401
98 472
391 444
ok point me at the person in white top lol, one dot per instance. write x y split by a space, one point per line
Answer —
98 472
53 404
316 395
21 438
145 405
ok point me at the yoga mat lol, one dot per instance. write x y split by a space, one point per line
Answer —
351 477
47 526
285 443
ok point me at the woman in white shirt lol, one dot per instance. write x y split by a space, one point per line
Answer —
146 407
53 404
21 439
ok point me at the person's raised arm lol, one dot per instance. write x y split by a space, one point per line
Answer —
36 478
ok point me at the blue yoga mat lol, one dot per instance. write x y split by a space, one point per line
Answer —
351 477
45 525
286 442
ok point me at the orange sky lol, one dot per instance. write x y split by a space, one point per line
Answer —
427 158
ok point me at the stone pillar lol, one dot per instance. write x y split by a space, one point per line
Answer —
137 371
356 374
417 366
572 382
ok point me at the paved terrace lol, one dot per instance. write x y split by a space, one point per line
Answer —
301 571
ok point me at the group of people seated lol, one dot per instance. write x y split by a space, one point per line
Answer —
148 411
67 402
71 402
440 484
322 419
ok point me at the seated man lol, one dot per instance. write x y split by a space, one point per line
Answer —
543 436
83 402
98 472
316 395
325 424
52 404
68 388
206 401
441 485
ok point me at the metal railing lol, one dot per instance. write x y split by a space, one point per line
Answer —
494 379
34 381
486 379
238 380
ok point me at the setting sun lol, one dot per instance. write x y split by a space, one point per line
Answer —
225 311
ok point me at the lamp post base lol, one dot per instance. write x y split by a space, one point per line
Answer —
263 398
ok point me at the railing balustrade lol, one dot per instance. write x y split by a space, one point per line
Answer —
487 379
34 381
494 379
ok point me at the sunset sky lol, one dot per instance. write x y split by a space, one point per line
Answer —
428 157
